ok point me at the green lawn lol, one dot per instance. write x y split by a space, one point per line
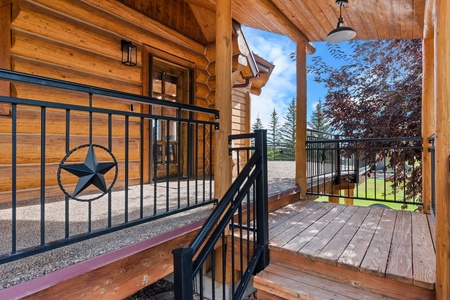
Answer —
374 188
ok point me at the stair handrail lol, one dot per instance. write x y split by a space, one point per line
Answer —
254 172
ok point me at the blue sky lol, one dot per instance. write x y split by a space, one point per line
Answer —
281 87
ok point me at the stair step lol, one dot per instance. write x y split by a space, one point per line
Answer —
285 283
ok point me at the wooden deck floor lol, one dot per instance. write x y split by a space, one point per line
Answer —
393 244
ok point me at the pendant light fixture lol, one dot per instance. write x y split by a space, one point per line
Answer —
341 33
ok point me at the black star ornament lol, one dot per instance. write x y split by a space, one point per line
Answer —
91 172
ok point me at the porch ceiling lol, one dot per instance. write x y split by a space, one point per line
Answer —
314 19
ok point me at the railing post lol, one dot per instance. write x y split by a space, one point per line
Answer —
182 271
356 164
262 209
338 161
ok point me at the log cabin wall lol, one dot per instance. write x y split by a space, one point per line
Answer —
240 123
79 41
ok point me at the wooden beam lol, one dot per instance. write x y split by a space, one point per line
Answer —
223 161
428 118
300 143
114 275
442 65
5 48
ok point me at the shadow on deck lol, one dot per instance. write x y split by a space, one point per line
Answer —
332 251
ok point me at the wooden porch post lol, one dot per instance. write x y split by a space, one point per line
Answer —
428 107
442 65
300 142
5 48
222 161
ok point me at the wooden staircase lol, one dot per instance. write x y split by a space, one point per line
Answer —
329 251
290 277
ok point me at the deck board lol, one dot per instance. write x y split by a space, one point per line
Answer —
397 245
301 240
297 227
355 252
315 246
423 263
294 217
333 250
291 284
375 261
400 258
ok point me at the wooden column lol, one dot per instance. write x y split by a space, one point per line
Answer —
5 48
442 65
300 142
428 118
428 105
222 161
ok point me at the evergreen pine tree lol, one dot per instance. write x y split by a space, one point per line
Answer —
258 124
273 136
319 121
288 131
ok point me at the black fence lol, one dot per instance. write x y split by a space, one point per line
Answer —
383 169
233 243
95 162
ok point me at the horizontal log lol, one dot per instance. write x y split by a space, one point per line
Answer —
255 91
28 175
201 102
54 191
43 49
126 23
122 11
212 99
239 61
34 67
29 122
202 90
38 20
239 47
201 75
29 148
49 94
239 113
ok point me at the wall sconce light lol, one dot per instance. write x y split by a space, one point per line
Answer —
129 53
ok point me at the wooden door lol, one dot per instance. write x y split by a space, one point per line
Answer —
169 82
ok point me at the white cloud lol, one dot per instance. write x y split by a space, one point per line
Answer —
281 87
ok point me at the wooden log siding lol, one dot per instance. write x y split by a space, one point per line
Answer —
5 45
240 123
79 41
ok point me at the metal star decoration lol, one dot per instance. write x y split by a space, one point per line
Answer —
91 172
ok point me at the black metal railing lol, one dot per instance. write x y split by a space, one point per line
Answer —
378 169
432 150
94 162
233 243
323 159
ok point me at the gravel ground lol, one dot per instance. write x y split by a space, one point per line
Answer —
280 175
